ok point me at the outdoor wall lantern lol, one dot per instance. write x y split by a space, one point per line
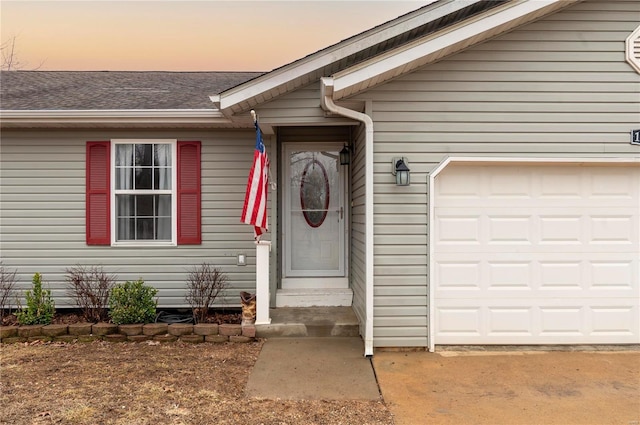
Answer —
401 171
345 156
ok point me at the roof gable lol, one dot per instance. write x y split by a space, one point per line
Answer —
448 41
383 38
392 49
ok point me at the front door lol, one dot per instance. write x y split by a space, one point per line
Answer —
314 217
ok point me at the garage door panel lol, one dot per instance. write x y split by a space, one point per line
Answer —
551 274
549 322
612 182
613 229
533 181
608 228
537 254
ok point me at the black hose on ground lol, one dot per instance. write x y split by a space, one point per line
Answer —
164 317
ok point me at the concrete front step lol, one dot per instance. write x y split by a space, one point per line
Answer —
310 322
305 297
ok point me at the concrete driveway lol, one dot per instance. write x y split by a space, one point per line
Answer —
549 387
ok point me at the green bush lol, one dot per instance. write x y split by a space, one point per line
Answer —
132 302
40 306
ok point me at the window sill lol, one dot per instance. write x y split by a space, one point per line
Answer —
139 244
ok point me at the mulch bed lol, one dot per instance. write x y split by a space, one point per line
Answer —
68 317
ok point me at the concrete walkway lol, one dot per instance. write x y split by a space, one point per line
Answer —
313 368
511 387
456 387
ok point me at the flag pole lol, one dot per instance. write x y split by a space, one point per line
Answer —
262 269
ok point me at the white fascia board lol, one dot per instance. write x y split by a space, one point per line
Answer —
313 62
511 12
204 116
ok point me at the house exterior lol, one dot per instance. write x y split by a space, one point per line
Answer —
520 225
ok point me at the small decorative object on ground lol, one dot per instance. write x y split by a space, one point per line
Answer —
248 308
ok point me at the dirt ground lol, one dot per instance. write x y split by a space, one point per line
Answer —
524 388
145 383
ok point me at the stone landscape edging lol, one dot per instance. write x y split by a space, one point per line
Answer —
161 332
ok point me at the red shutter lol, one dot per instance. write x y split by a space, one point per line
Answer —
189 232
98 197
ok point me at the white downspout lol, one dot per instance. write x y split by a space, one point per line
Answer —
326 101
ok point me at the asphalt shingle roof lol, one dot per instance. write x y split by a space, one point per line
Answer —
119 90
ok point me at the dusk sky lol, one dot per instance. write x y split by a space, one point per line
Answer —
203 35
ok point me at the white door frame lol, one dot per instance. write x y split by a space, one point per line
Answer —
311 280
431 188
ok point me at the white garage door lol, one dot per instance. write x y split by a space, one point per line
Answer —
536 254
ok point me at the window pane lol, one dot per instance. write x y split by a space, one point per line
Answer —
144 155
162 155
125 229
143 178
144 229
124 178
125 206
124 164
162 178
164 229
124 155
163 207
144 205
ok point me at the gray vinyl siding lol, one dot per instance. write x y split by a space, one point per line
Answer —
559 87
357 257
301 107
42 215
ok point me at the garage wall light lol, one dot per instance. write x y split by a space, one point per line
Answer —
400 169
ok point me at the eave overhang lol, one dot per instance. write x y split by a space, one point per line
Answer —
194 118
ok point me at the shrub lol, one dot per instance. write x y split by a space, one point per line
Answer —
90 288
132 302
204 284
7 285
40 306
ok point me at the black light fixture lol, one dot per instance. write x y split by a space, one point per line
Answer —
345 156
401 171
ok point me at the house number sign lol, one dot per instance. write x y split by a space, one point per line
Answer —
635 137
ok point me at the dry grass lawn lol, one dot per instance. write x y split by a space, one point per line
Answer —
141 383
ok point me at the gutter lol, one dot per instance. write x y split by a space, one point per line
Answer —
18 118
327 103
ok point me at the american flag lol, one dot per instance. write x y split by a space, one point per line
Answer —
254 211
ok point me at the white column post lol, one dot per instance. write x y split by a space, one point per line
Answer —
262 282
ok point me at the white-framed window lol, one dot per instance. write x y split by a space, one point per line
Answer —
143 203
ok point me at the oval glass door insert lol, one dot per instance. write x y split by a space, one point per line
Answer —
314 193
